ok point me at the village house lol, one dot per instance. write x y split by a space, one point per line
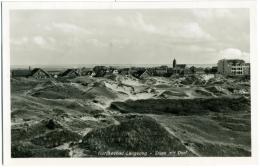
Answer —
233 67
39 73
179 69
169 72
137 71
161 71
86 71
147 73
124 71
70 73
100 71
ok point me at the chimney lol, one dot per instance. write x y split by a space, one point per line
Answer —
29 68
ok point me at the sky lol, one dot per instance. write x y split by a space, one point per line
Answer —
148 36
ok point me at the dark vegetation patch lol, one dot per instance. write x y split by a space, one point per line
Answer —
26 149
233 119
236 126
183 106
27 131
59 92
27 113
22 84
49 95
55 138
229 150
134 134
240 123
23 102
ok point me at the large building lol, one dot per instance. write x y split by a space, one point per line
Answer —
233 67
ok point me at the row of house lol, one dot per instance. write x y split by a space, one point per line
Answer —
101 71
39 73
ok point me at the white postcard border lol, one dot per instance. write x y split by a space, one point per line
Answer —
191 161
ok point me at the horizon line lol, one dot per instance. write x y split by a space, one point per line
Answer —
107 64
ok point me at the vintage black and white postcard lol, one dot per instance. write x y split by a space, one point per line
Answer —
165 80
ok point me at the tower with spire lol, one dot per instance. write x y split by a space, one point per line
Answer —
174 63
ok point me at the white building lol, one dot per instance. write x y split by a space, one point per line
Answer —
233 67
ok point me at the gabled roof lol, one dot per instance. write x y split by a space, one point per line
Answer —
149 71
138 73
146 72
68 71
35 70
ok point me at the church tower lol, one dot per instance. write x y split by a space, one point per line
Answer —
174 63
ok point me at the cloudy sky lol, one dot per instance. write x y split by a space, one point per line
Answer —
192 36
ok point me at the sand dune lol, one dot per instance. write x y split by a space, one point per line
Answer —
86 117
